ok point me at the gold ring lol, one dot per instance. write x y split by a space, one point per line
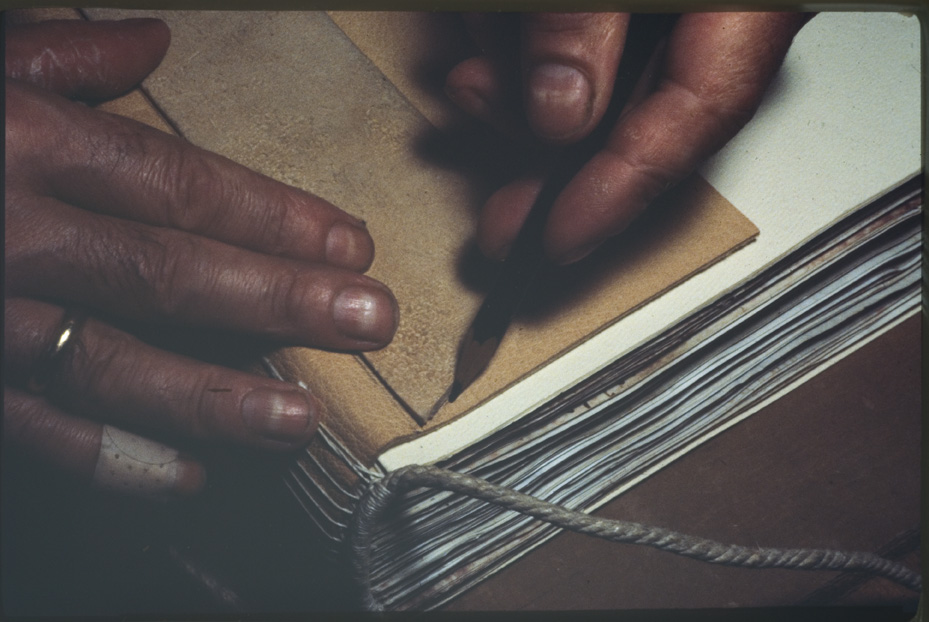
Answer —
47 366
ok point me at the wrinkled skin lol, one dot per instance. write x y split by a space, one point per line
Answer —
716 68
129 222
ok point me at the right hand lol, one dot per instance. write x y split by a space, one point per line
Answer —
126 221
552 74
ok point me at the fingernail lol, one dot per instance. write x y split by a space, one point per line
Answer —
577 254
349 246
365 313
279 415
468 100
560 100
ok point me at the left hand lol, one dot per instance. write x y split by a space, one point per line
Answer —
562 66
124 222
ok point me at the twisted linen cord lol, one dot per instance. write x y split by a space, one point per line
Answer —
379 494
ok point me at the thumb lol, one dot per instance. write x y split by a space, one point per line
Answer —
86 60
569 61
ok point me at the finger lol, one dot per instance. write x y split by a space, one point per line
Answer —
481 88
717 68
487 86
569 66
86 60
111 377
117 166
102 455
503 215
164 275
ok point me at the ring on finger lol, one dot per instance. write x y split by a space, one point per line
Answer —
47 367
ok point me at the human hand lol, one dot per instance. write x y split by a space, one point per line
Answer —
561 68
127 222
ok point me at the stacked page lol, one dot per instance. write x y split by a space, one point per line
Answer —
858 279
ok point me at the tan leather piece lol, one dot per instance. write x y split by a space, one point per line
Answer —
424 47
289 95
29 16
137 106
360 412
689 229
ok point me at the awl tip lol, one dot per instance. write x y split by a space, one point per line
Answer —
455 391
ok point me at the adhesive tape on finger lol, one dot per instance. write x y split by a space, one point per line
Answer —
133 464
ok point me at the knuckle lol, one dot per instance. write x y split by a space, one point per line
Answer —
730 99
183 177
19 107
653 179
35 130
203 419
97 366
650 175
113 360
179 404
143 269
722 106
173 399
111 148
26 241
25 421
293 298
644 150
273 224
184 403
191 188
201 196
32 424
162 270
